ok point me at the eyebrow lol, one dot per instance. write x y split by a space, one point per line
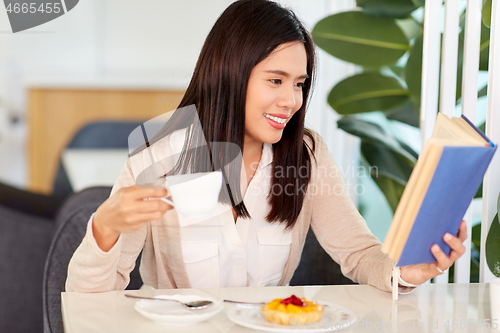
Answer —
285 74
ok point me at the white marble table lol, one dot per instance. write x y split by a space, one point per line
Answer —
430 308
93 167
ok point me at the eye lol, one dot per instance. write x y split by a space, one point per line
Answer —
275 81
301 85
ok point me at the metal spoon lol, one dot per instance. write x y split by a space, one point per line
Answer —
255 303
195 305
248 303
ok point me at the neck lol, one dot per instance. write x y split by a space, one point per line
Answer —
252 150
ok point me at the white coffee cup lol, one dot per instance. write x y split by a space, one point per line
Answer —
495 300
194 194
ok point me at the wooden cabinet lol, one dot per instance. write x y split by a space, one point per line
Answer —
55 115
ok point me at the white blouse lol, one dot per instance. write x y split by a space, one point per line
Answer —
218 252
251 252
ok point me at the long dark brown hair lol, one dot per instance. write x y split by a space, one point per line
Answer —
246 33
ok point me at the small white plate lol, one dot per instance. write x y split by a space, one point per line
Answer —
173 313
334 318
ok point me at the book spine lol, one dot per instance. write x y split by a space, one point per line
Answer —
478 131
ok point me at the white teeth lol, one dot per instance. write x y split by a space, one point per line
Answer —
276 119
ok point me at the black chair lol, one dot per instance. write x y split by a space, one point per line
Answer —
26 202
98 135
71 223
24 243
316 267
27 225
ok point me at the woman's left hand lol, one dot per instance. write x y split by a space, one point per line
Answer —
418 274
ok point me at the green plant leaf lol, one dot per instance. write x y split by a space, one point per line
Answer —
380 149
474 253
483 56
398 70
476 236
479 193
367 92
386 162
406 113
411 28
486 13
483 92
484 53
474 270
392 190
413 71
419 3
460 65
387 8
361 39
493 247
498 204
408 149
372 133
461 21
372 69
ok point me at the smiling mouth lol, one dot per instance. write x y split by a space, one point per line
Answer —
276 119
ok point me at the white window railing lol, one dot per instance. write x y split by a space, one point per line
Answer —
491 182
430 95
438 93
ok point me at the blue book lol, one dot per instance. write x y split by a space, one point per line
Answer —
440 189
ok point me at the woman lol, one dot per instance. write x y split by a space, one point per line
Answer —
250 87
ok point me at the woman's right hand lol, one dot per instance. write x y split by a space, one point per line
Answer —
126 211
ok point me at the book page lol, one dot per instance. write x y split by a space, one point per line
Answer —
450 132
417 196
471 131
396 224
443 133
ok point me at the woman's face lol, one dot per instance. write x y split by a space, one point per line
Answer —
274 93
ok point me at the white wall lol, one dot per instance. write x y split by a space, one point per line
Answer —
118 39
157 38
130 40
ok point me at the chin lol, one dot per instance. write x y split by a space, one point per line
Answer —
273 138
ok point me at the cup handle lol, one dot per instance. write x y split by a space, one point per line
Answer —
170 202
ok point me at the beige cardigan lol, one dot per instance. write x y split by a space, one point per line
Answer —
327 208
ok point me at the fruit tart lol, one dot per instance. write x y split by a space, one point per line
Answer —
282 311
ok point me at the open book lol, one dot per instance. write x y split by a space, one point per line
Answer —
439 191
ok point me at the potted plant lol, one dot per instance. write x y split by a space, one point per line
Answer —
493 244
385 39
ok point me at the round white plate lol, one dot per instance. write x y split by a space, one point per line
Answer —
173 313
334 318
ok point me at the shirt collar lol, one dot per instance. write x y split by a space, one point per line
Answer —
177 143
267 155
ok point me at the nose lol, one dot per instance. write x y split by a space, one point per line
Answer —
287 98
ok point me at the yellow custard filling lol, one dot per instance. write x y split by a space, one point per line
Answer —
282 311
